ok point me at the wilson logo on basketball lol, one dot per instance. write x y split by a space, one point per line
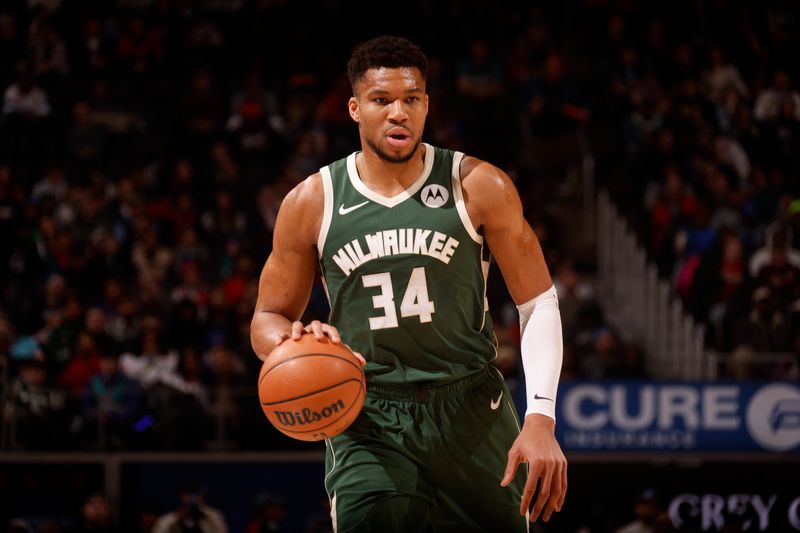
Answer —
307 416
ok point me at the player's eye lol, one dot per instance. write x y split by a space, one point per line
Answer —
380 101
412 99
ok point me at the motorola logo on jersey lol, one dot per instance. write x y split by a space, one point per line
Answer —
434 196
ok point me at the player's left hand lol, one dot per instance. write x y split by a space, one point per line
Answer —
320 330
537 446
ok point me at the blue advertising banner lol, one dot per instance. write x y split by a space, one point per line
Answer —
675 416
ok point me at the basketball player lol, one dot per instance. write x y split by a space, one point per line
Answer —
400 230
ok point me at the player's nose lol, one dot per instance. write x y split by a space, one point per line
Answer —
397 112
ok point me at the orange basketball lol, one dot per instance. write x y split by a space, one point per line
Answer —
311 390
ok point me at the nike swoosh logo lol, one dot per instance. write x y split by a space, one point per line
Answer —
537 397
494 404
344 210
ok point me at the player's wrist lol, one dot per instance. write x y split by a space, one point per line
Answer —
539 421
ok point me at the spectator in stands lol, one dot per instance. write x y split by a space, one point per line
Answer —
552 109
225 170
723 276
60 337
111 401
650 515
192 514
203 107
194 375
690 244
254 123
125 326
86 139
186 326
171 399
226 380
574 292
770 101
782 278
480 75
110 112
151 257
254 91
10 48
140 49
24 99
722 75
34 408
190 250
52 184
646 140
480 82
674 206
95 516
223 221
48 51
235 284
730 155
777 236
93 53
764 330
85 363
270 515
188 398
153 366
601 358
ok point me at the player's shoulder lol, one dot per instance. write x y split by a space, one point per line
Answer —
484 182
308 194
301 210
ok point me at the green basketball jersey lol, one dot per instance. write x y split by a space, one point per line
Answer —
406 275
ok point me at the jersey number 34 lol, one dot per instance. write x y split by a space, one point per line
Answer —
415 300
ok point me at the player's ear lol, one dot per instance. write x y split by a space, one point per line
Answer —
352 107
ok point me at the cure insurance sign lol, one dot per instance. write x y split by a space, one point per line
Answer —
667 416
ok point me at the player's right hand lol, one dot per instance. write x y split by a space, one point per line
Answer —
547 467
320 330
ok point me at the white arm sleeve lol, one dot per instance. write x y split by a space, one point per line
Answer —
542 349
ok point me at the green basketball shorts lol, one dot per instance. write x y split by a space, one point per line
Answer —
428 458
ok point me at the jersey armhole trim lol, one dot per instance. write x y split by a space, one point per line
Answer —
458 197
327 210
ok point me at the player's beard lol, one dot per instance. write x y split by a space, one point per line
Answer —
390 158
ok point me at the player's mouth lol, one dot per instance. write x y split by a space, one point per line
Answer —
398 137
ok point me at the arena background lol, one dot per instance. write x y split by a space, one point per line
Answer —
145 146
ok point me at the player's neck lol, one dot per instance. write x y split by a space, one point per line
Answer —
386 178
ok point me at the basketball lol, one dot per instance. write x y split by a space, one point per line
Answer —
311 390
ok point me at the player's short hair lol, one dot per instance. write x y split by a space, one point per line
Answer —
385 51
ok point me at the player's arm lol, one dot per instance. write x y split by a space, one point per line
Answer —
286 279
494 207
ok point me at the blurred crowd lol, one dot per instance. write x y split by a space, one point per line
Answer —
266 514
145 147
708 115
